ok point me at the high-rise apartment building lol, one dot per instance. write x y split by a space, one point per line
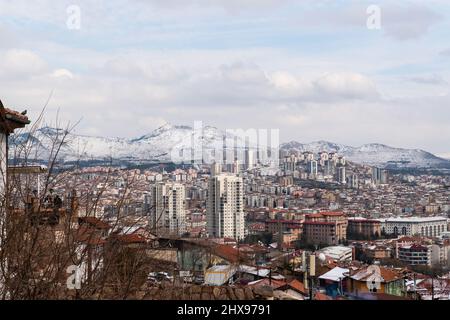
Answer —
167 208
341 176
225 212
249 160
313 170
379 176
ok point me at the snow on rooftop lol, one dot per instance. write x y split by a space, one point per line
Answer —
336 250
262 272
416 219
335 274
219 274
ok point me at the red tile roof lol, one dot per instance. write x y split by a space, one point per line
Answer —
332 213
319 222
298 286
322 297
267 282
16 116
131 238
94 222
11 120
226 252
87 236
387 274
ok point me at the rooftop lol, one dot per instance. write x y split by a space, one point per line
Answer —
417 219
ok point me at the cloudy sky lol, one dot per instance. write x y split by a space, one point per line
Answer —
311 68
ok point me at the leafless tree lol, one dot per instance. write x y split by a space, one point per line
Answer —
48 228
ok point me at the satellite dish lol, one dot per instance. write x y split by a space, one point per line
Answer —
322 257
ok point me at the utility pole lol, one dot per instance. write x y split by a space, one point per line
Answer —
415 289
311 272
432 288
270 275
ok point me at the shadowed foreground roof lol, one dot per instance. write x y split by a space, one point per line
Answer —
11 120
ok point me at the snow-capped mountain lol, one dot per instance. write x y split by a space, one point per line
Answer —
167 143
374 154
176 143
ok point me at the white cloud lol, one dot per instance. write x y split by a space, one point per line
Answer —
20 63
314 71
433 79
409 21
62 73
347 85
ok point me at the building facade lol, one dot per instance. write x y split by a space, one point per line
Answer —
363 228
426 227
326 228
415 254
167 208
225 212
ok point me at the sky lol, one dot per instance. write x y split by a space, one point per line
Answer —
312 68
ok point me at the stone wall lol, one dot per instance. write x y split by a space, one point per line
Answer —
205 293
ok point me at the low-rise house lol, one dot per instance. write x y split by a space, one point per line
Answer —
334 281
377 279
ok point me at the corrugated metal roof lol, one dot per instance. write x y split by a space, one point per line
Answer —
219 275
335 274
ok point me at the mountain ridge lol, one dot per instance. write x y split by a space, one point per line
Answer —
159 144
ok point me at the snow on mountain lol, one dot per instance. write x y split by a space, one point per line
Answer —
163 144
171 141
374 154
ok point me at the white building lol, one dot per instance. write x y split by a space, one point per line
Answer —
338 253
427 226
313 169
249 159
225 212
379 176
167 208
341 176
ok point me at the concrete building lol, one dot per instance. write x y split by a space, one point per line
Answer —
280 227
338 253
225 212
363 228
341 176
379 176
426 227
415 254
249 159
167 211
325 228
312 168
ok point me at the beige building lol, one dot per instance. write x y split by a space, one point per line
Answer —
168 208
224 210
366 228
325 228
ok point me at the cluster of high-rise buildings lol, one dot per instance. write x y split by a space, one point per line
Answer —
330 167
224 206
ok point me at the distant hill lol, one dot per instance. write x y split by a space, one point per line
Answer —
163 143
